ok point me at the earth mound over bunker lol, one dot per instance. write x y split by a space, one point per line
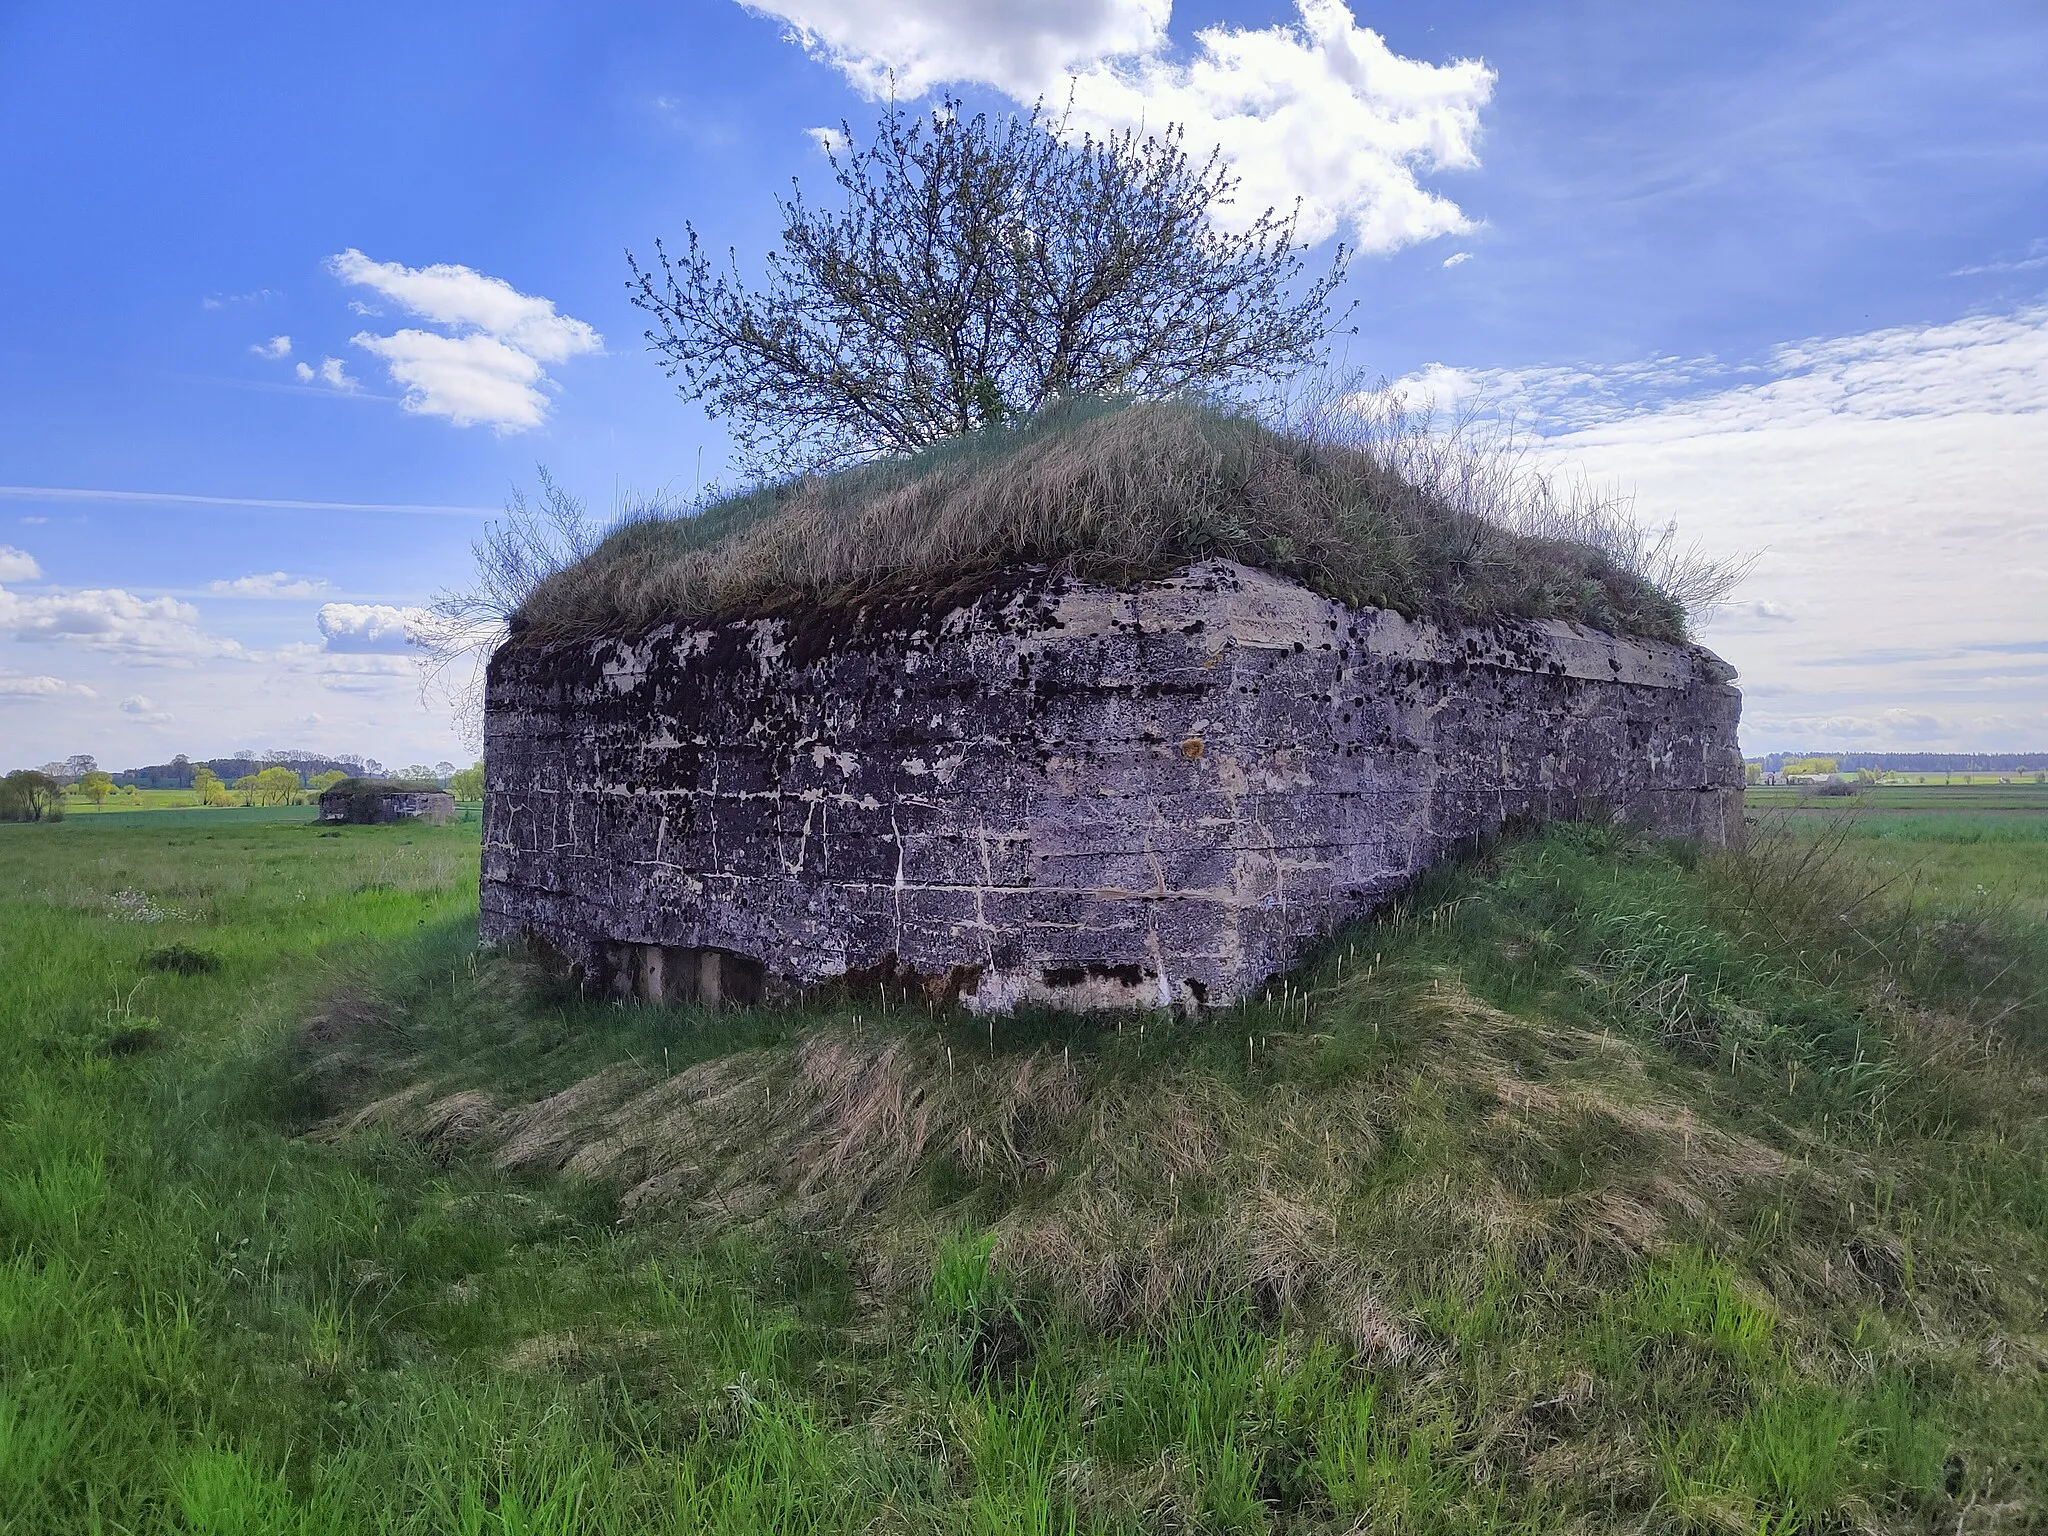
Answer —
1051 790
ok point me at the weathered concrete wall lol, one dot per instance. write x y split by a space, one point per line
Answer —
1056 793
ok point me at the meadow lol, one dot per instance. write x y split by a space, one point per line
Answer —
1597 1186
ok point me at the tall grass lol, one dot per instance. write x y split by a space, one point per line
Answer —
1452 1233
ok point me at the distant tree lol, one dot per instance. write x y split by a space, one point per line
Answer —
78 766
443 771
320 783
96 785
419 772
978 270
29 794
467 783
207 785
272 786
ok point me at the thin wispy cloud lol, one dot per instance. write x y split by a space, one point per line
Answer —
1890 482
1318 113
488 365
2034 261
75 493
271 584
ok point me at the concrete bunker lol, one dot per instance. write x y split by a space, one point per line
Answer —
371 801
1052 792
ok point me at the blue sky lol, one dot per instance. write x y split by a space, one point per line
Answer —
1782 271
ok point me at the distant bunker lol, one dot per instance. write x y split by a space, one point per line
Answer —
1054 793
367 801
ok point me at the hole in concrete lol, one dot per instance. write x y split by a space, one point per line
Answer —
673 974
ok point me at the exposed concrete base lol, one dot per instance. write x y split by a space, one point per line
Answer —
1057 794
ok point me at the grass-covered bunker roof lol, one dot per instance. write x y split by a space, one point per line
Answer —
361 786
1115 493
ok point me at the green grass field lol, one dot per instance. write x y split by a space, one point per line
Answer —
1598 1187
1950 842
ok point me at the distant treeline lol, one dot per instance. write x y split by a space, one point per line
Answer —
1918 762
177 773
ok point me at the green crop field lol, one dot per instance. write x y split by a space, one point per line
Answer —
1598 1186
1950 842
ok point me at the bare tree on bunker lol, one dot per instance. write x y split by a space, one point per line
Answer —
979 270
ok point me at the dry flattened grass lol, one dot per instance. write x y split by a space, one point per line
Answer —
1119 495
1130 1196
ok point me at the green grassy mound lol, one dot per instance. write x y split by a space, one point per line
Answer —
1596 1187
1114 493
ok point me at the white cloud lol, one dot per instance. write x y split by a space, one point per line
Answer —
1320 110
275 348
2036 258
271 584
1890 480
371 628
829 140
160 630
16 686
331 372
144 709
490 371
18 564
223 300
1457 258
1017 46
463 297
472 380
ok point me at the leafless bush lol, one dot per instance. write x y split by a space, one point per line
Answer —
466 624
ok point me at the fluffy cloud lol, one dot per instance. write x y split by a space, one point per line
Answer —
138 707
471 380
19 564
371 628
271 584
161 630
491 370
1320 110
274 349
17 686
1890 482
